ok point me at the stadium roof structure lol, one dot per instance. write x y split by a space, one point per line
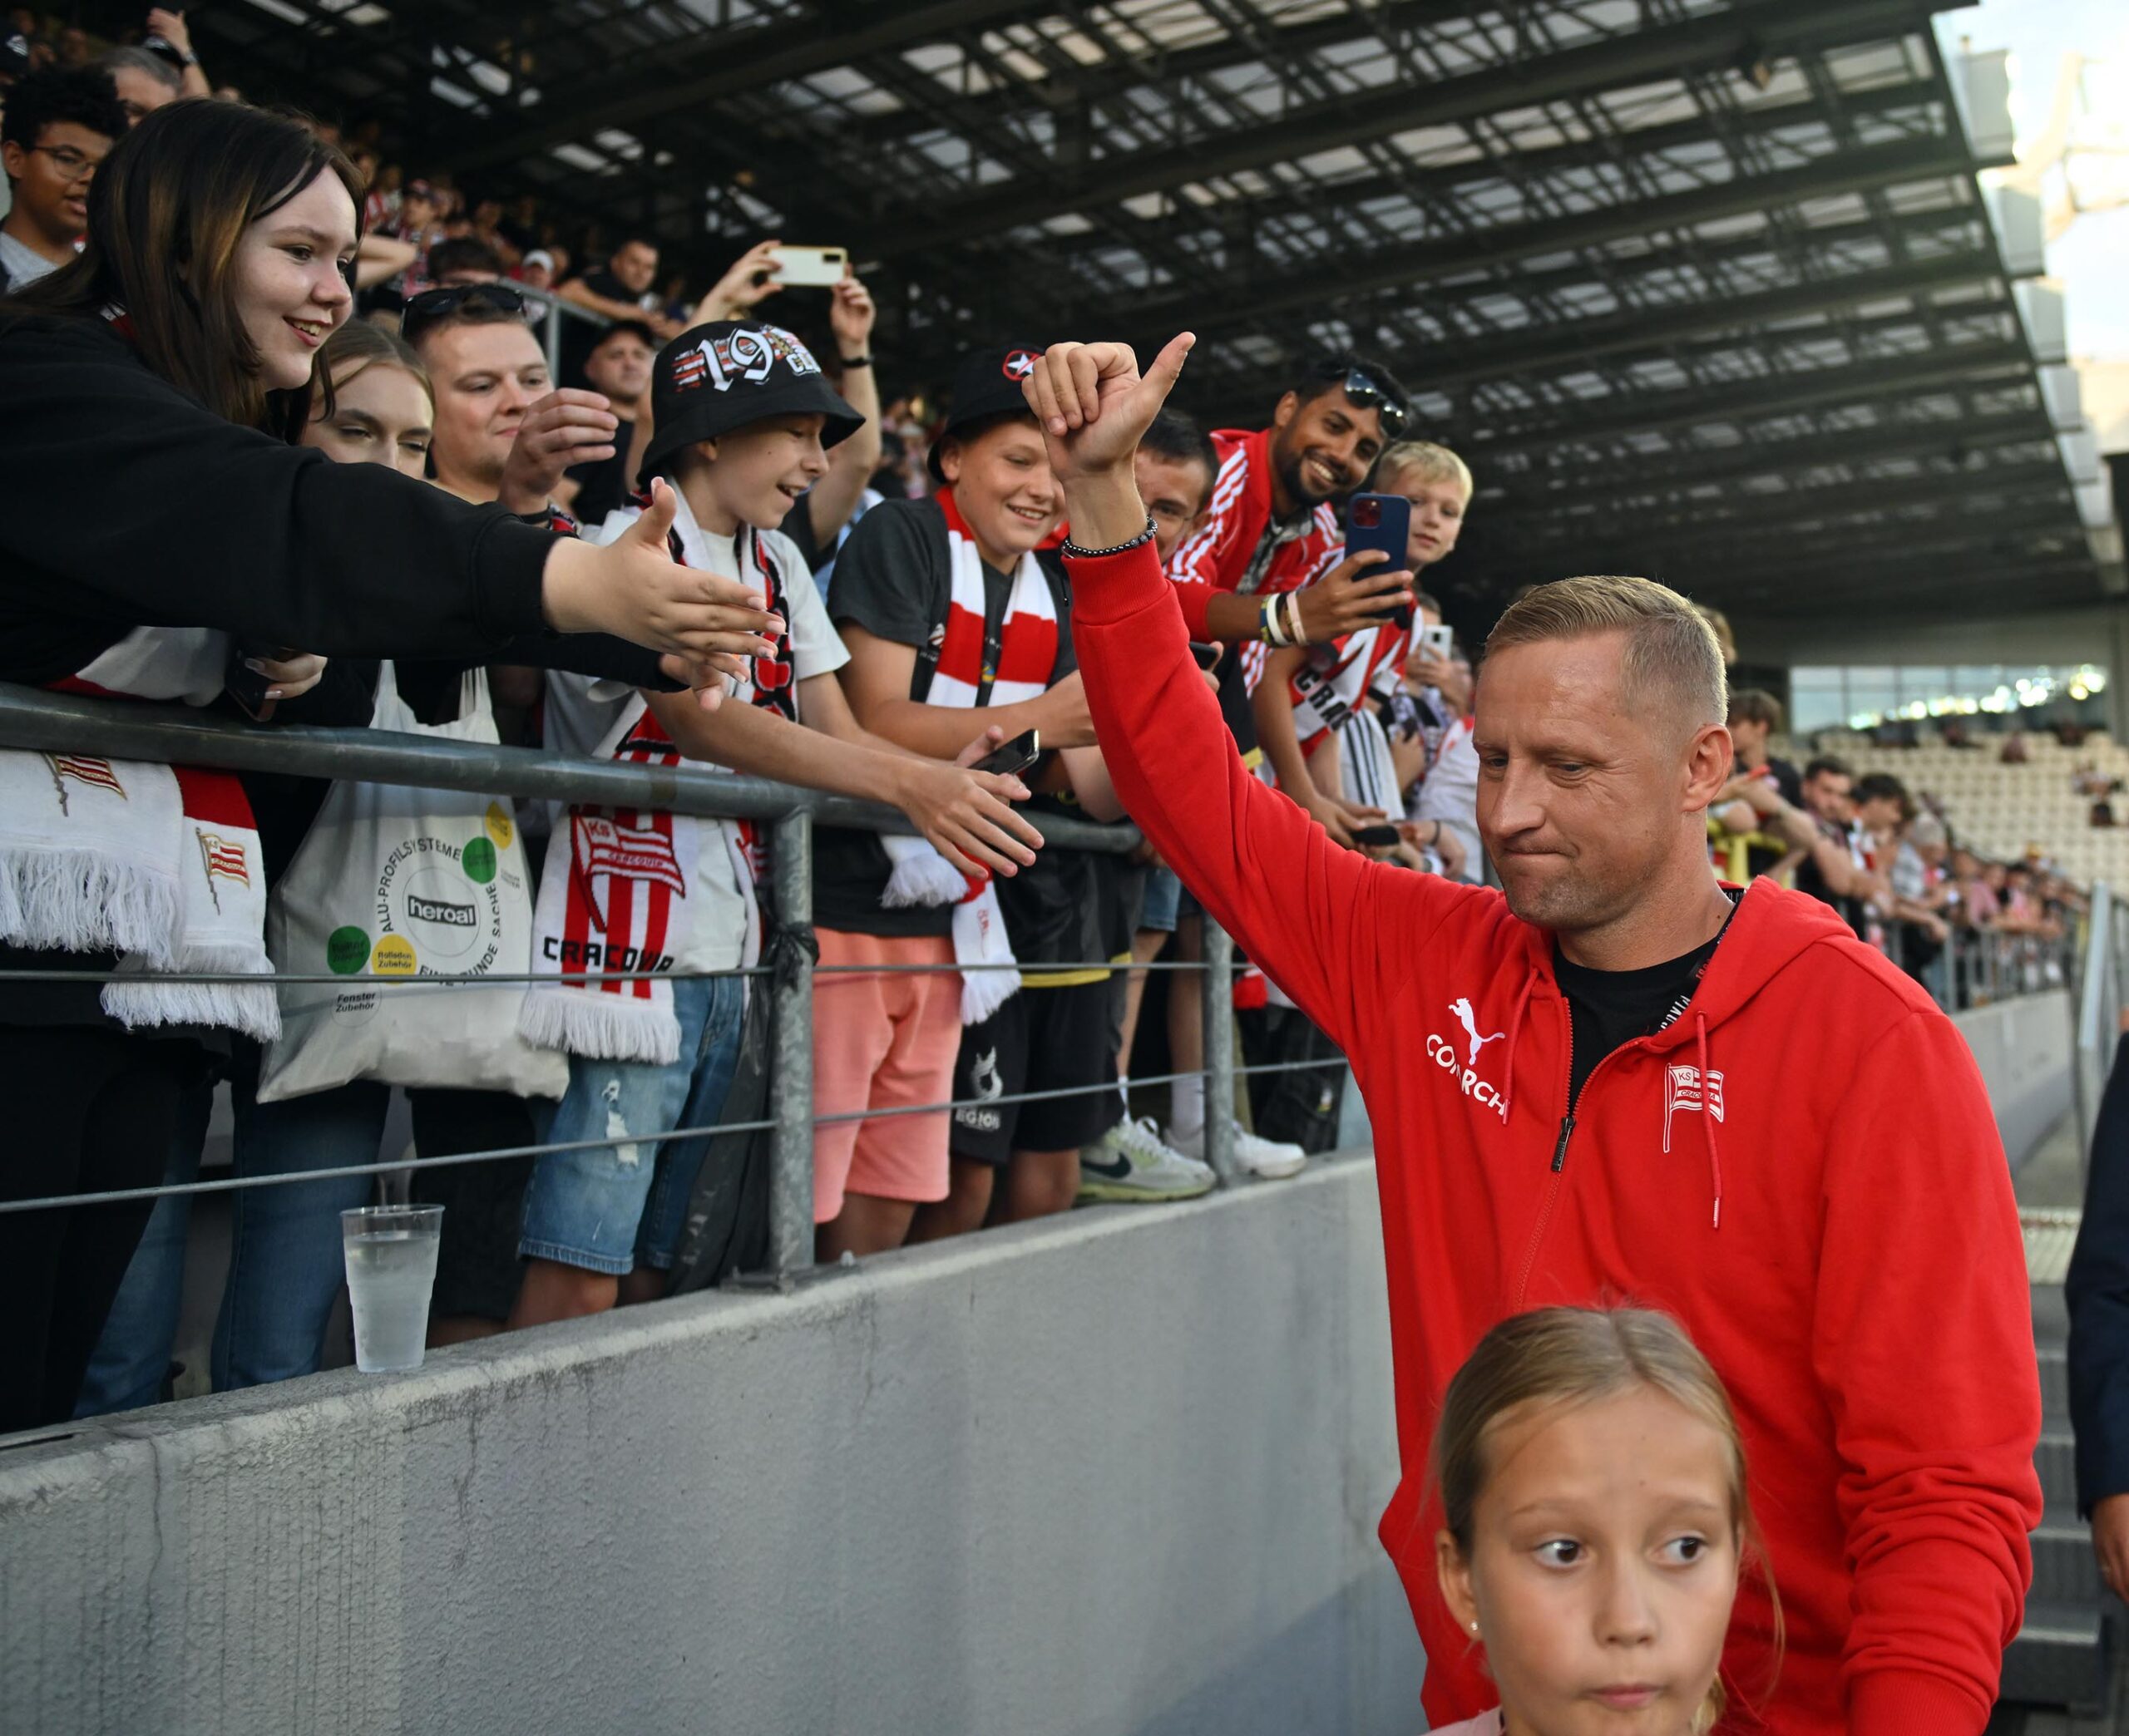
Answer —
1706 289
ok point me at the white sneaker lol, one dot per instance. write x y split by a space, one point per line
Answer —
1131 1163
1268 1160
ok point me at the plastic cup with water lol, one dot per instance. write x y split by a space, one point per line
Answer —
391 1253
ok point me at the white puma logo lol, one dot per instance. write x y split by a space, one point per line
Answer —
1464 1017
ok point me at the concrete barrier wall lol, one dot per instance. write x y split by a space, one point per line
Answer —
1119 1474
2022 1047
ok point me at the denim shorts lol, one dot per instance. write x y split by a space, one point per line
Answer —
1163 894
609 1208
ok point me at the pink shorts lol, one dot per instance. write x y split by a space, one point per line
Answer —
881 1041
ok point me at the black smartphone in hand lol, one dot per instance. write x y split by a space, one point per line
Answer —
1376 837
246 685
1208 656
1010 758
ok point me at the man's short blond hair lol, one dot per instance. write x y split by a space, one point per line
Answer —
1425 460
1670 646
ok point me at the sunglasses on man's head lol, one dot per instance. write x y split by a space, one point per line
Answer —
424 310
1366 393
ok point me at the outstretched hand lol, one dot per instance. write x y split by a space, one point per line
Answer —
1093 403
705 624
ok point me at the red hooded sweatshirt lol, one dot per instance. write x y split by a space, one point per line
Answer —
1803 1169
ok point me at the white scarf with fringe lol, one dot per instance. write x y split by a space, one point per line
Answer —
160 864
616 894
1027 652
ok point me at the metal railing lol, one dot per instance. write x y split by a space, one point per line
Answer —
1972 969
552 312
49 722
2099 1000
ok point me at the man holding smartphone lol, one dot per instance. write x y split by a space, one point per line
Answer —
1316 709
1271 527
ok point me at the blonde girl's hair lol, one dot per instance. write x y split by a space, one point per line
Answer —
357 346
1562 1357
1425 460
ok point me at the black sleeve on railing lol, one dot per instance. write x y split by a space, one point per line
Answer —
140 507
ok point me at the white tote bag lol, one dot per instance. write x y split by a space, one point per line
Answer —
414 883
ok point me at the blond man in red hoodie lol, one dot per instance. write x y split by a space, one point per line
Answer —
1622 1079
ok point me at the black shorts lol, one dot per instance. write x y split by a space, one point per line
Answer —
1042 1039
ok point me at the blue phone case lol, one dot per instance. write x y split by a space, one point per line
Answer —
1381 521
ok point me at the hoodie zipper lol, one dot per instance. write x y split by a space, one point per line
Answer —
1556 1178
1559 1164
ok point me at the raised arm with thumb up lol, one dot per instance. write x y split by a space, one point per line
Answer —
705 624
1093 403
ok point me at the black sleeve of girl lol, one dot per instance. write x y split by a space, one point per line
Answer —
142 508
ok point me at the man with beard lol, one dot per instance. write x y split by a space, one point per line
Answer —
1271 527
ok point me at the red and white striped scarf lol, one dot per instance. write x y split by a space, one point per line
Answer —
965 678
615 897
160 864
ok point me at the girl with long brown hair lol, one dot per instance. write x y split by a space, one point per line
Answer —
163 528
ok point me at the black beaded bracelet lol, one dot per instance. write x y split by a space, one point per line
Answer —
1077 553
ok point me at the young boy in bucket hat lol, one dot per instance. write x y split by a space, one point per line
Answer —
950 604
643 899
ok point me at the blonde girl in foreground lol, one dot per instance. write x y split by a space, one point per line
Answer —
1596 1523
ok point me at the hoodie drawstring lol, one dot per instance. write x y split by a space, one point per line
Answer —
1514 1031
1707 1114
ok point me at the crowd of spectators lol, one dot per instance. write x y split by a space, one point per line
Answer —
1886 859
920 631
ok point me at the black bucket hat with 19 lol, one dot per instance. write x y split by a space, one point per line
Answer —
714 378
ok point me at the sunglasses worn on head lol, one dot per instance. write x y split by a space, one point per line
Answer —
423 310
1366 393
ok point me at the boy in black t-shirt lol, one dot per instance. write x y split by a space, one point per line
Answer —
948 604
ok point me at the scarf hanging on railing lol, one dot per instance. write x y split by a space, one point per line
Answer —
160 864
972 672
616 894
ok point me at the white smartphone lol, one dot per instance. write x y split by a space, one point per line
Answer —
811 267
1438 642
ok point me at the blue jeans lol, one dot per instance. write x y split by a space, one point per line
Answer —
285 1267
606 1208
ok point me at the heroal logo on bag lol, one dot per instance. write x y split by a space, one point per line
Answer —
432 910
442 897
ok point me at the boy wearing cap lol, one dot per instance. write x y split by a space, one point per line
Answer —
636 902
948 604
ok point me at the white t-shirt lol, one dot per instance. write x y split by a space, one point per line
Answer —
581 711
1449 792
24 265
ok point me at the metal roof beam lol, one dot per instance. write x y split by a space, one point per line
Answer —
1621 149
1861 591
1931 370
1811 506
1430 261
1660 475
742 60
1991 534
1711 41
1526 354
1067 86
